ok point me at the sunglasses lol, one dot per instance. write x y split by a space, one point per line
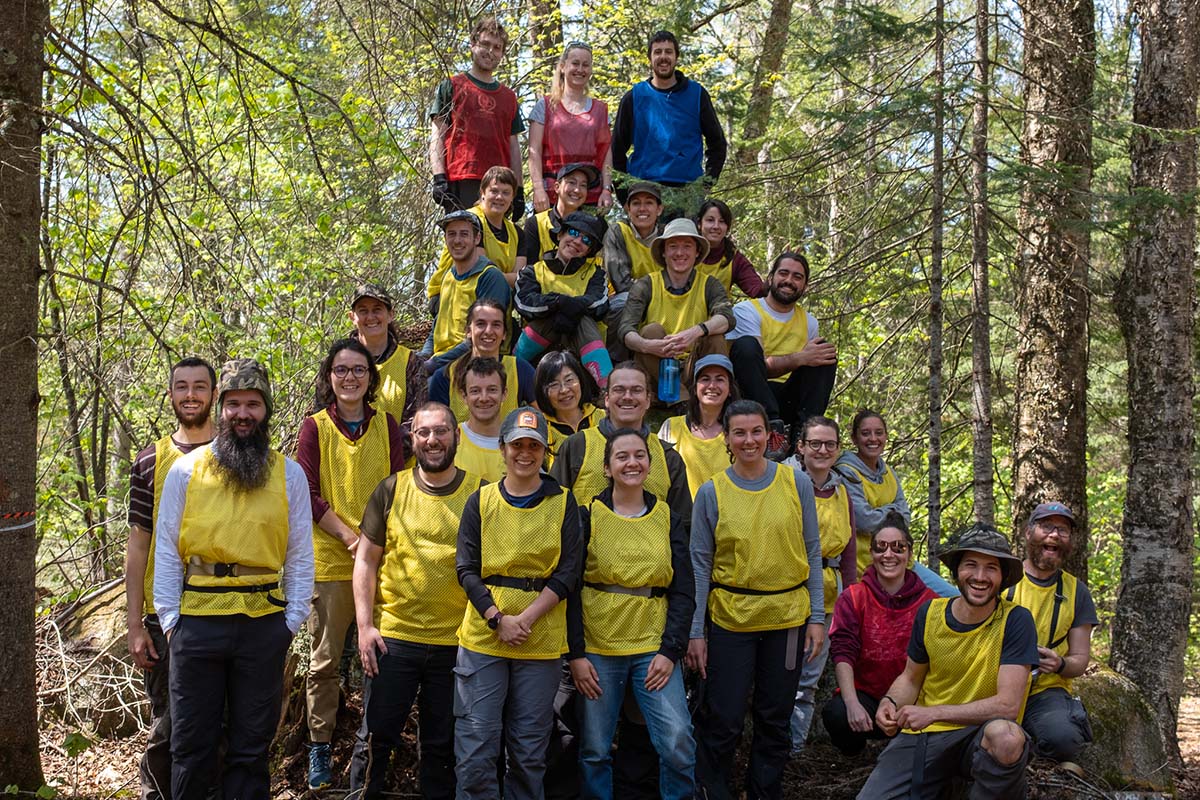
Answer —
587 240
899 548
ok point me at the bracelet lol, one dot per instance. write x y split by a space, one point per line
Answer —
703 327
1062 664
889 699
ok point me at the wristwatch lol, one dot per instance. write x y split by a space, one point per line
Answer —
494 622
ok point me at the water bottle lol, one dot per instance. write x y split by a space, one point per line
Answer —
668 380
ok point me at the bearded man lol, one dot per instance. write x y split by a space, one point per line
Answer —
232 585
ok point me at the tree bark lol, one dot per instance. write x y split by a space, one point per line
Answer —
545 32
1155 305
981 339
935 288
1049 452
21 38
766 75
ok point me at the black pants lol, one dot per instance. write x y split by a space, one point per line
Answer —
463 195
849 741
154 769
805 392
408 672
235 660
736 663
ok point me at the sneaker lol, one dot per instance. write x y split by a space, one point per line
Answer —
777 441
320 774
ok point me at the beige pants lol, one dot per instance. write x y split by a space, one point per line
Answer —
332 615
705 345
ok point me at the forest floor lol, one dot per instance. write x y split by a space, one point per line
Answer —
108 769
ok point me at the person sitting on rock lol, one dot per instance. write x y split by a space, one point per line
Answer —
627 251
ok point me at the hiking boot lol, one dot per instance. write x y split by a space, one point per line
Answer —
320 774
1073 768
777 441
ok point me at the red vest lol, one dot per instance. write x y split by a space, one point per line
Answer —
883 638
575 138
480 127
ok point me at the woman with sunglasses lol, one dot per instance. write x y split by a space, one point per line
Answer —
567 126
818 445
564 297
872 622
567 395
756 554
725 261
345 448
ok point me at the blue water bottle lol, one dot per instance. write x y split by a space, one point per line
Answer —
668 380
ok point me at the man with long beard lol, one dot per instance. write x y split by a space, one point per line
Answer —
957 706
233 584
1064 613
191 392
409 605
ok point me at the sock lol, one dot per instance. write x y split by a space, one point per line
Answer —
596 360
530 345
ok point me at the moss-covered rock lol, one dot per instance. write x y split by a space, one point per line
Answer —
1127 751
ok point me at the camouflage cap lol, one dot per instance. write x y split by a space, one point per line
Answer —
372 290
244 373
986 540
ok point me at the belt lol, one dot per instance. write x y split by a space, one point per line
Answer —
831 563
636 591
755 592
524 584
197 566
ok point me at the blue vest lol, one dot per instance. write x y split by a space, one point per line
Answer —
667 144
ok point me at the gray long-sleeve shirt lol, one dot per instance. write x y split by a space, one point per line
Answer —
866 516
704 525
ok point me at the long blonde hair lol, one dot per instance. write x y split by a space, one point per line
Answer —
559 83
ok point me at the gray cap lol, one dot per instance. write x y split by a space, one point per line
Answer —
460 216
1053 509
644 187
983 538
676 228
525 422
713 360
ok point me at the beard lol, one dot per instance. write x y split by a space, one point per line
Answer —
783 296
437 462
1046 561
244 462
192 420
966 596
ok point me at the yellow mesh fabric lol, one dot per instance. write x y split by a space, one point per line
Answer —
641 262
877 494
1040 602
591 418
165 454
676 312
393 387
457 297
573 285
780 338
722 270
591 480
703 458
511 390
833 520
502 254
488 464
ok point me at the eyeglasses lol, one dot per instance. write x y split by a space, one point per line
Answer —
358 370
633 391
570 382
587 240
437 433
818 445
1062 530
899 548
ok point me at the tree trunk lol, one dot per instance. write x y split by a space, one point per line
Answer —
1049 451
981 339
545 32
766 75
20 140
935 289
1155 304
837 169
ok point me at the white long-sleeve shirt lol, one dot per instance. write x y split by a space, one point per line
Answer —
298 569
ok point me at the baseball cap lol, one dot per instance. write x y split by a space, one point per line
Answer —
1051 509
374 291
460 216
525 422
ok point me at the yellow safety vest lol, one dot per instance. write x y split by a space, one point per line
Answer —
591 480
457 295
721 270
703 458
963 667
559 431
759 545
392 393
546 241
481 461
833 521
641 261
511 389
418 597
676 312
781 338
877 495
225 525
573 285
350 471
1053 620
166 453
502 254
632 553
518 543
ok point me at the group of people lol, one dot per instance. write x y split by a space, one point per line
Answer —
526 560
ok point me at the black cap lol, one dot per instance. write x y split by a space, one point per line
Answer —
578 166
460 216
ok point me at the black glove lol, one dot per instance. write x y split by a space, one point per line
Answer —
574 306
564 323
440 191
435 303
518 204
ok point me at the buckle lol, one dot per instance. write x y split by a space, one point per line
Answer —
531 585
225 570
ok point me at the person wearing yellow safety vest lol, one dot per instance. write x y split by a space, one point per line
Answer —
481 386
192 382
627 625
818 445
345 448
470 277
627 252
401 371
519 556
562 298
486 320
676 312
409 606
543 229
955 711
233 582
756 551
1065 614
699 435
567 396
781 360
725 261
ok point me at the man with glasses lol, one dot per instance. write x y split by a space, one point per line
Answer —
1063 610
409 605
779 358
563 298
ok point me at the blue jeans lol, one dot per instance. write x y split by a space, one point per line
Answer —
666 716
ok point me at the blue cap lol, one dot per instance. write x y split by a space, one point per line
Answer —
713 360
1052 509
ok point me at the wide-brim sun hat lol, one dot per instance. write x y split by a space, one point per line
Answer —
679 228
986 540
